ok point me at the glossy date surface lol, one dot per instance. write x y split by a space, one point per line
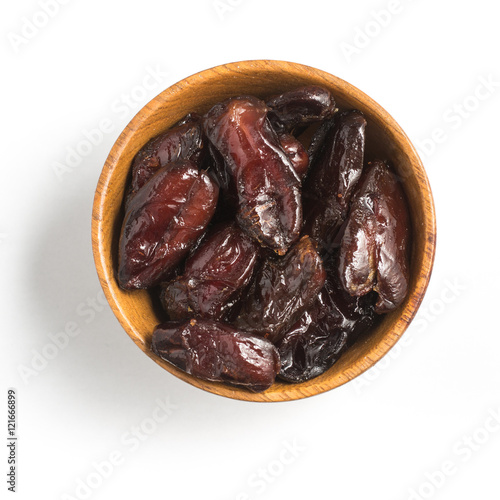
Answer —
215 276
317 141
268 188
296 153
283 288
217 352
333 178
316 341
182 142
301 106
163 220
374 253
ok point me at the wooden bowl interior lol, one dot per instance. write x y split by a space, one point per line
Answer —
137 311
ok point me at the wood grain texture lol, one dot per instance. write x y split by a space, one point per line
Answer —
263 78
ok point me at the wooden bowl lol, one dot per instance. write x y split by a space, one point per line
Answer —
136 310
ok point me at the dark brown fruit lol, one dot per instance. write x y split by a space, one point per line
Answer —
375 247
215 276
333 178
300 107
296 152
217 352
318 140
164 219
282 290
182 142
316 341
268 188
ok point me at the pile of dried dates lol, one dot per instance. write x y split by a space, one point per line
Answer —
269 259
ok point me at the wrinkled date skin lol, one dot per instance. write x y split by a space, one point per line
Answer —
316 341
163 220
221 174
214 277
296 153
374 253
318 140
333 178
282 290
268 188
292 147
183 142
217 352
300 107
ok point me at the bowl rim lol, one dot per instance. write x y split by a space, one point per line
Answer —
109 284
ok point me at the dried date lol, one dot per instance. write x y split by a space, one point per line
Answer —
189 118
182 142
301 106
333 178
282 290
215 276
374 253
318 140
296 152
217 352
316 341
268 188
163 221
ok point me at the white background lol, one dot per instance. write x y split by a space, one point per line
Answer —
384 436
